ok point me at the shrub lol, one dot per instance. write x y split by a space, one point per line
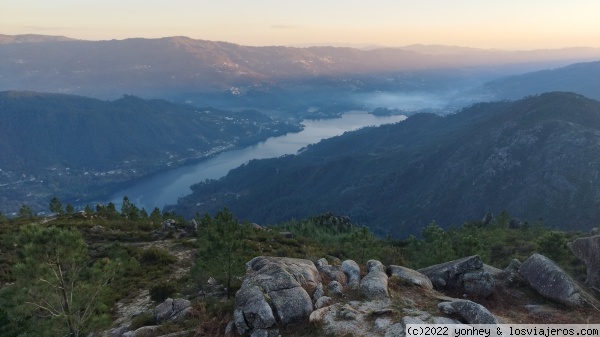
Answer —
144 319
156 256
162 291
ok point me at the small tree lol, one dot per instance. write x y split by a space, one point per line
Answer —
70 209
88 210
56 205
129 210
362 245
156 216
26 211
58 285
221 253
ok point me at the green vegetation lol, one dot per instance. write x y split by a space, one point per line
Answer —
110 259
222 248
58 291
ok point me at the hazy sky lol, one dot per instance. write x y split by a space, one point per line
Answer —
508 24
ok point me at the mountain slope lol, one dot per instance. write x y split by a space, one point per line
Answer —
581 78
536 158
69 145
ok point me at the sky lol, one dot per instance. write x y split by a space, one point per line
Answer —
503 24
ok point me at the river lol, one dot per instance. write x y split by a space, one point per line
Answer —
166 187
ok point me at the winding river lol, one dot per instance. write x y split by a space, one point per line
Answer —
164 188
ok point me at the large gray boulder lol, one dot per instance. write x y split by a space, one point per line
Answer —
164 310
275 291
478 283
352 271
374 286
409 275
252 311
588 250
291 305
550 281
471 312
467 275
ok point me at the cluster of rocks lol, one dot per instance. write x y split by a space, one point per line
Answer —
171 229
279 291
341 299
171 310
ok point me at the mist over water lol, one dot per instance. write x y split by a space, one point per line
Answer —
165 188
409 101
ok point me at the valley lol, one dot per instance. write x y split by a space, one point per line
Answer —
268 169
82 149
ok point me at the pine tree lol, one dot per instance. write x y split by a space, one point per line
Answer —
60 289
56 205
221 253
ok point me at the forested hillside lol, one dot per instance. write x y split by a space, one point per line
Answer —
536 158
74 146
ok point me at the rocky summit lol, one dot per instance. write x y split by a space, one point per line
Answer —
283 296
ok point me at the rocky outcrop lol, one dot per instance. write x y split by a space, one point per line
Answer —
275 291
352 319
588 250
142 332
409 275
330 273
370 318
510 275
352 271
171 310
550 281
374 285
174 310
466 275
470 312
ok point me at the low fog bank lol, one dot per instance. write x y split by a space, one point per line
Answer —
413 102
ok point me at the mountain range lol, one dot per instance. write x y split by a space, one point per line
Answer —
275 79
535 158
77 147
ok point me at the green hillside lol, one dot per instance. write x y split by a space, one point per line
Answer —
75 146
536 158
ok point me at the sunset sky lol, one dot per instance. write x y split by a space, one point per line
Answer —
506 24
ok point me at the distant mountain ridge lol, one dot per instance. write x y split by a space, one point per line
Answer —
582 78
76 147
536 158
31 38
185 69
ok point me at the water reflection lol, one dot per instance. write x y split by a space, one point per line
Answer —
166 187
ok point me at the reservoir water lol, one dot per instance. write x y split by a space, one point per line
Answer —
166 187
